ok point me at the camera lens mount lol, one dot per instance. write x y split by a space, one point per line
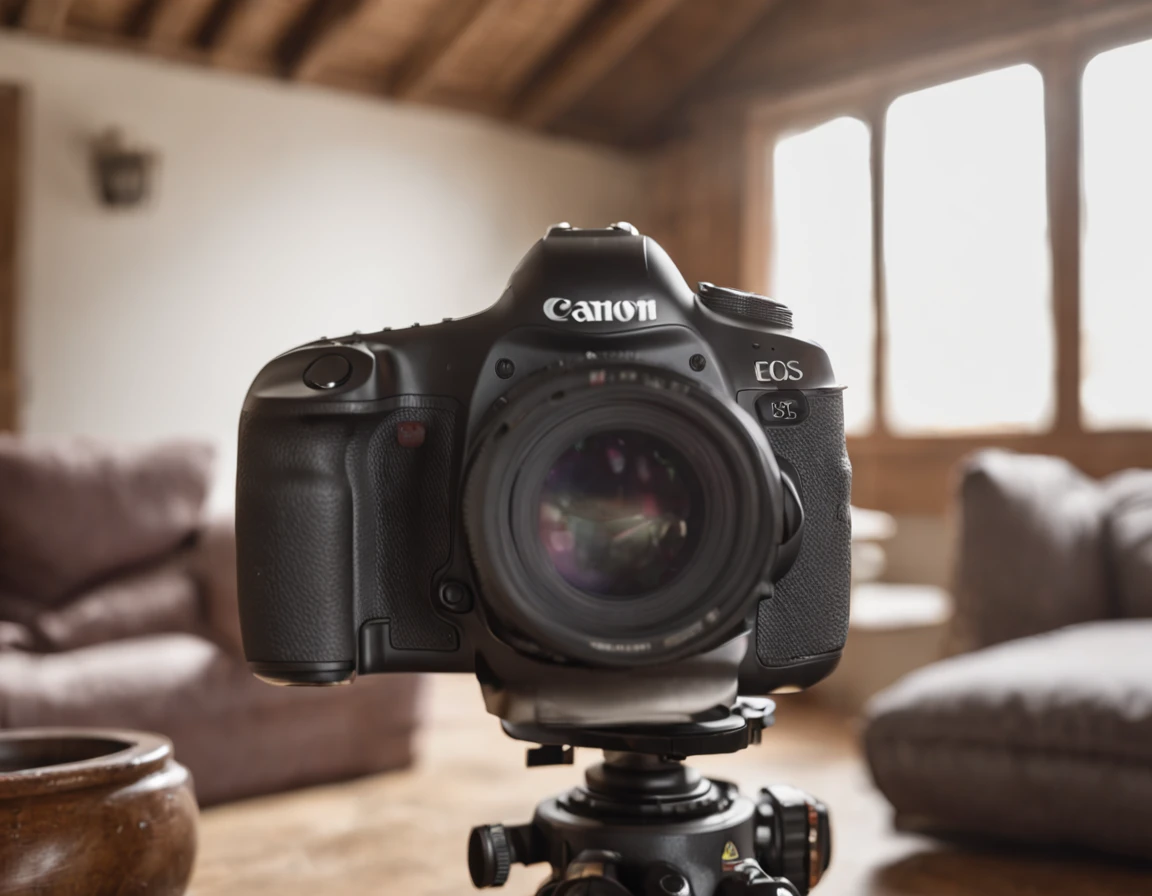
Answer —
620 515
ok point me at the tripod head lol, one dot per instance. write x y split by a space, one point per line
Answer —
644 824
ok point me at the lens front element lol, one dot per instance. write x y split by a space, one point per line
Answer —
621 513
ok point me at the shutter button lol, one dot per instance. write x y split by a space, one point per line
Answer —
328 372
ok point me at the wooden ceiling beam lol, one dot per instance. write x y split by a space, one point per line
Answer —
621 30
706 54
46 16
417 76
214 27
306 46
141 18
167 24
138 22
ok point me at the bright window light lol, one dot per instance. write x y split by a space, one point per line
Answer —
967 258
1116 307
822 250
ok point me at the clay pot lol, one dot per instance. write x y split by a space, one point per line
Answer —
87 812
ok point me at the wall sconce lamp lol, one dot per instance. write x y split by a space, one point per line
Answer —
123 173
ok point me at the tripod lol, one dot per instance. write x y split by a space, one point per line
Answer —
644 824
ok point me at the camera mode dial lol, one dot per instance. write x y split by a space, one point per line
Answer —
744 305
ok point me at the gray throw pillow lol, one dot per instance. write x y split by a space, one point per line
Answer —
1128 533
1031 553
1046 740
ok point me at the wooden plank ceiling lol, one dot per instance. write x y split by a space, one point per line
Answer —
627 72
536 62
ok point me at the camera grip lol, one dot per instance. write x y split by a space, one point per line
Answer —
807 616
294 539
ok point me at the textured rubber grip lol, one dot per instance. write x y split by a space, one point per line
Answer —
406 527
808 614
294 538
342 519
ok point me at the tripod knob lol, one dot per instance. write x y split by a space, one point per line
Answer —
489 855
793 836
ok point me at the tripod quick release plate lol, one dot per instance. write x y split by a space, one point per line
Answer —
740 728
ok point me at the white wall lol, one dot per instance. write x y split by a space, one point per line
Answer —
281 214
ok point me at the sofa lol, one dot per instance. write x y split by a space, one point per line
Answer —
1041 731
118 609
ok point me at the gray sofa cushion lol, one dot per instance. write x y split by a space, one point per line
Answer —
1031 554
238 736
1128 533
160 598
75 511
1047 739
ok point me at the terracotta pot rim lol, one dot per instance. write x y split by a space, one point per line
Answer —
141 753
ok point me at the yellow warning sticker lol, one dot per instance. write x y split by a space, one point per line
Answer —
731 853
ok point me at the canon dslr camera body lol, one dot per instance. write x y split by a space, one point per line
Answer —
613 499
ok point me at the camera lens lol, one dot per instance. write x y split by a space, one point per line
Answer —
621 513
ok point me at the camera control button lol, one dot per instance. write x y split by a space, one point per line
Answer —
744 305
455 597
328 372
785 407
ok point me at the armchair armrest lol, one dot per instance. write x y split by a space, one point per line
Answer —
1031 554
212 563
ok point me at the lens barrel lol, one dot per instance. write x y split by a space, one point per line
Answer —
620 515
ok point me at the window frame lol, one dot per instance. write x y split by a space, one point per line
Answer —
11 119
913 474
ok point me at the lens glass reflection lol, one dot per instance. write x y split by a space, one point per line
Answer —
620 513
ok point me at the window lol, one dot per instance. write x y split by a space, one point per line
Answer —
1116 305
952 269
971 237
822 205
968 295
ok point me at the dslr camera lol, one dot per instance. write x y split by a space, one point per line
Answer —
614 499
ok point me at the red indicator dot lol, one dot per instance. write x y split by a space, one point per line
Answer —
410 435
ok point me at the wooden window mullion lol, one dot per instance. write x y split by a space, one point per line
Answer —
10 106
1062 66
876 123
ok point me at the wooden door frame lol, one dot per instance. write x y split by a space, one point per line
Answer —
11 108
